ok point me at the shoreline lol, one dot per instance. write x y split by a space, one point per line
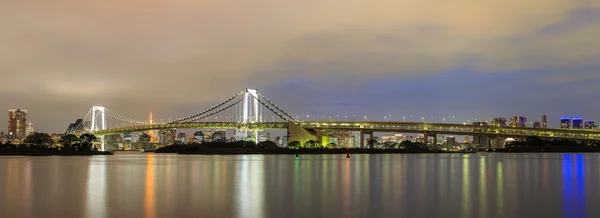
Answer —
50 153
292 152
549 150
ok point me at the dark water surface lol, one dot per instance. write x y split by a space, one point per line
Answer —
387 185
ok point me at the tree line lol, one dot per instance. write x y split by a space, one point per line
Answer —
84 142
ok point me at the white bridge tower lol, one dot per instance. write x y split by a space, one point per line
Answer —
251 110
98 122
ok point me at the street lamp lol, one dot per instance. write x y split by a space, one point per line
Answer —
403 119
346 118
365 118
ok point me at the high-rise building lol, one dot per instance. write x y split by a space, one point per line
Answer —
181 137
207 135
167 136
144 138
518 121
127 137
199 136
590 124
577 123
499 121
30 129
17 123
219 136
565 123
537 125
544 121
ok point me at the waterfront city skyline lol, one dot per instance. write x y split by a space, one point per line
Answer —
373 59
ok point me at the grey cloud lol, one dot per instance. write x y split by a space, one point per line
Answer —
174 54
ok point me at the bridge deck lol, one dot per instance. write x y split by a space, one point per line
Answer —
408 127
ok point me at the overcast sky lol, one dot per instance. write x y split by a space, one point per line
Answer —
463 58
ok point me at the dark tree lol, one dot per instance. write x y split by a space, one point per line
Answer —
294 144
311 144
535 141
331 145
372 143
68 140
390 145
87 141
412 145
267 144
39 140
10 145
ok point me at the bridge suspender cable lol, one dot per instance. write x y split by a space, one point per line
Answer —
271 103
216 112
279 115
123 118
193 117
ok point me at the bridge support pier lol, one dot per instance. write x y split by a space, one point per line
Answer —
482 140
430 144
364 144
362 138
102 143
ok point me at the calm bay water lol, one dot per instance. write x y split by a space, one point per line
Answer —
388 185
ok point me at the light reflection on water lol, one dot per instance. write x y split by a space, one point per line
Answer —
390 185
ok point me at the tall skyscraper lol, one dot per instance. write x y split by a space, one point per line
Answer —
17 123
518 121
590 124
544 121
577 123
565 123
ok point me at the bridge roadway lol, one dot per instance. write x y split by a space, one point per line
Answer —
404 127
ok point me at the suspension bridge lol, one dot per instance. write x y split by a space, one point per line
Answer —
249 110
